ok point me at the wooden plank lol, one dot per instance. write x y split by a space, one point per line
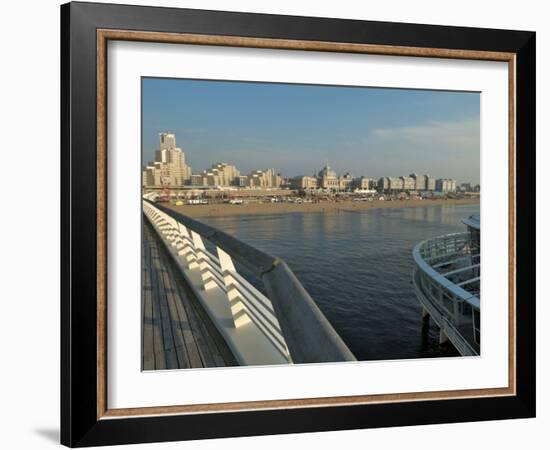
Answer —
158 344
213 347
218 344
165 320
201 326
196 328
148 350
192 350
207 351
176 323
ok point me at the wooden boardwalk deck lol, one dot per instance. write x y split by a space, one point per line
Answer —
177 332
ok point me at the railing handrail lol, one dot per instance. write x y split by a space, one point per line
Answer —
308 334
257 261
439 278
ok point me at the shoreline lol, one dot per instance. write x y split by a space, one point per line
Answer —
227 210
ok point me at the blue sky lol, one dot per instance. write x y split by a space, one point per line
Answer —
297 128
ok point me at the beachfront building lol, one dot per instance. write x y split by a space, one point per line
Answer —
345 181
387 184
363 183
383 184
169 167
409 183
445 185
413 182
277 180
328 179
267 178
453 185
420 181
220 174
242 181
430 183
226 173
151 174
303 182
198 179
207 178
395 184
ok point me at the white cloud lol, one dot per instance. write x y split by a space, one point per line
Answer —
441 148
448 136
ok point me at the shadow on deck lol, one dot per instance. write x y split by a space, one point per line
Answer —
177 333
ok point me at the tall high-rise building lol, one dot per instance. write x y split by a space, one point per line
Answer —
167 141
169 167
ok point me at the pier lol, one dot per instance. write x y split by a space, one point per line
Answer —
446 281
200 311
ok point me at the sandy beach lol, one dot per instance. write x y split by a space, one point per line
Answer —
324 207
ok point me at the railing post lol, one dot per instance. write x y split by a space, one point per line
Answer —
169 227
158 219
171 230
238 310
185 246
203 261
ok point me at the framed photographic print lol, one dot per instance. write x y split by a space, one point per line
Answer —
276 224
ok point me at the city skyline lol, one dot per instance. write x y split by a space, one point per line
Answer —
170 169
373 132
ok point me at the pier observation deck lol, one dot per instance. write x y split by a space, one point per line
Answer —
199 311
446 280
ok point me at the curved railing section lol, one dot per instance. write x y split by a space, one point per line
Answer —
446 280
286 326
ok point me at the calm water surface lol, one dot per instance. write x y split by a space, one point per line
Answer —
357 267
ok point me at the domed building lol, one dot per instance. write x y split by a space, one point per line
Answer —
328 178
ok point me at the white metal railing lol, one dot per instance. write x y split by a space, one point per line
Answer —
287 318
454 308
245 302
